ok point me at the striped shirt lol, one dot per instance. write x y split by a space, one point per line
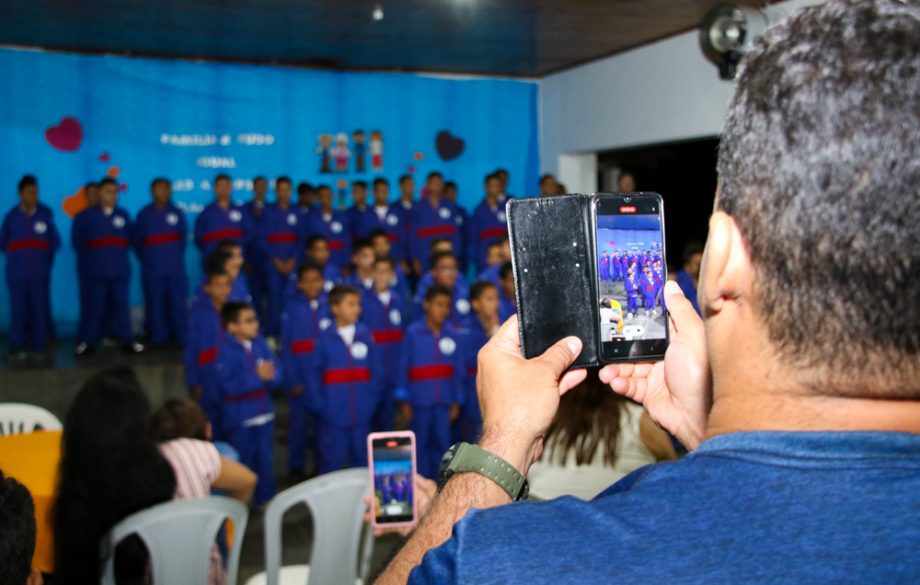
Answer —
196 465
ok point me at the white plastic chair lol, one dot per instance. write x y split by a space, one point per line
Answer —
336 504
179 535
17 418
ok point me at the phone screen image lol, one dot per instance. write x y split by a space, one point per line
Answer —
631 273
394 479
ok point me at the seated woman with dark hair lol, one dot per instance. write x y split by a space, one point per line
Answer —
596 438
110 468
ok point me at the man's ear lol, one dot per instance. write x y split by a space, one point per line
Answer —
726 271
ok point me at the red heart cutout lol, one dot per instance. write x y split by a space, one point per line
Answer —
104 157
66 136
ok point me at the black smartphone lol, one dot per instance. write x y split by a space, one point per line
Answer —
631 271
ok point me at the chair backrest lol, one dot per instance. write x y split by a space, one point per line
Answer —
336 503
17 418
179 536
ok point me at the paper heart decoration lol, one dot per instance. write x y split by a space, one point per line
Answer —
449 146
66 136
74 204
105 157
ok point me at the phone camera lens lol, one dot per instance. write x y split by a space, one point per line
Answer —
627 199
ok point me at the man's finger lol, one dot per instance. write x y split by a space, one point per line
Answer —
683 315
508 336
561 354
571 379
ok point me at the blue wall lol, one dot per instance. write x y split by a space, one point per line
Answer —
131 111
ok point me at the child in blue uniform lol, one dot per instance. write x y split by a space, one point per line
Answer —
431 378
380 242
202 342
445 272
160 240
318 251
305 316
462 219
479 328
222 219
246 370
433 217
360 216
648 289
382 310
631 284
402 208
333 225
507 296
604 266
91 195
255 269
30 240
348 375
362 262
389 219
489 223
105 238
281 242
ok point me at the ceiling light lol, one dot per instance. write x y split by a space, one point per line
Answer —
377 14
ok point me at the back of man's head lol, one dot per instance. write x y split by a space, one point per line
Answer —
820 169
17 532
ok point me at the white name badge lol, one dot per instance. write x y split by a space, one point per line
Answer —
501 217
324 323
392 220
336 227
359 350
40 227
463 306
118 221
172 219
444 213
291 219
235 216
447 345
395 317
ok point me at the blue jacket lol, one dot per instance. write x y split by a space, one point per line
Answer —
473 338
432 368
491 274
459 302
429 223
336 230
205 334
104 241
301 327
160 237
30 243
348 378
281 234
216 223
486 226
403 231
239 291
362 221
386 324
244 394
394 224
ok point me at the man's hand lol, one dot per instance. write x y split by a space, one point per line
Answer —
676 392
279 265
406 410
297 390
425 491
266 370
519 397
454 412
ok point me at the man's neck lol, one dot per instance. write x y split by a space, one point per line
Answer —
342 324
241 339
492 200
406 197
435 327
224 204
327 210
218 306
28 210
488 321
283 205
365 273
435 199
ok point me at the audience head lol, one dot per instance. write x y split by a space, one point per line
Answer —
626 183
548 186
494 253
406 187
179 418
217 283
234 250
381 192
450 191
306 196
380 242
109 468
437 305
345 305
240 320
108 193
693 257
161 190
506 280
384 273
318 249
440 245
819 165
484 299
444 268
284 188
91 194
310 279
28 192
223 187
359 193
362 255
259 188
17 534
504 176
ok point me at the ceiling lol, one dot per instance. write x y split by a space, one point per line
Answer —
528 38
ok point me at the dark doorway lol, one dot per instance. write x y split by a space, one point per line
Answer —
684 173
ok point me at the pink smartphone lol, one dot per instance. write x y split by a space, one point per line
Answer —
391 461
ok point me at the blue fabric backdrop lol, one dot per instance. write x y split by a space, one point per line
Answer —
140 115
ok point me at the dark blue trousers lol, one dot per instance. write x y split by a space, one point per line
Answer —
342 447
108 298
164 308
256 448
29 318
431 425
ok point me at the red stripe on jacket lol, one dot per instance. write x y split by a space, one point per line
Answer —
165 238
224 234
437 230
387 336
107 242
495 232
302 346
254 395
28 244
346 375
207 356
435 372
282 238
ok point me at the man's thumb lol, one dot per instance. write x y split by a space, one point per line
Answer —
562 354
679 307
